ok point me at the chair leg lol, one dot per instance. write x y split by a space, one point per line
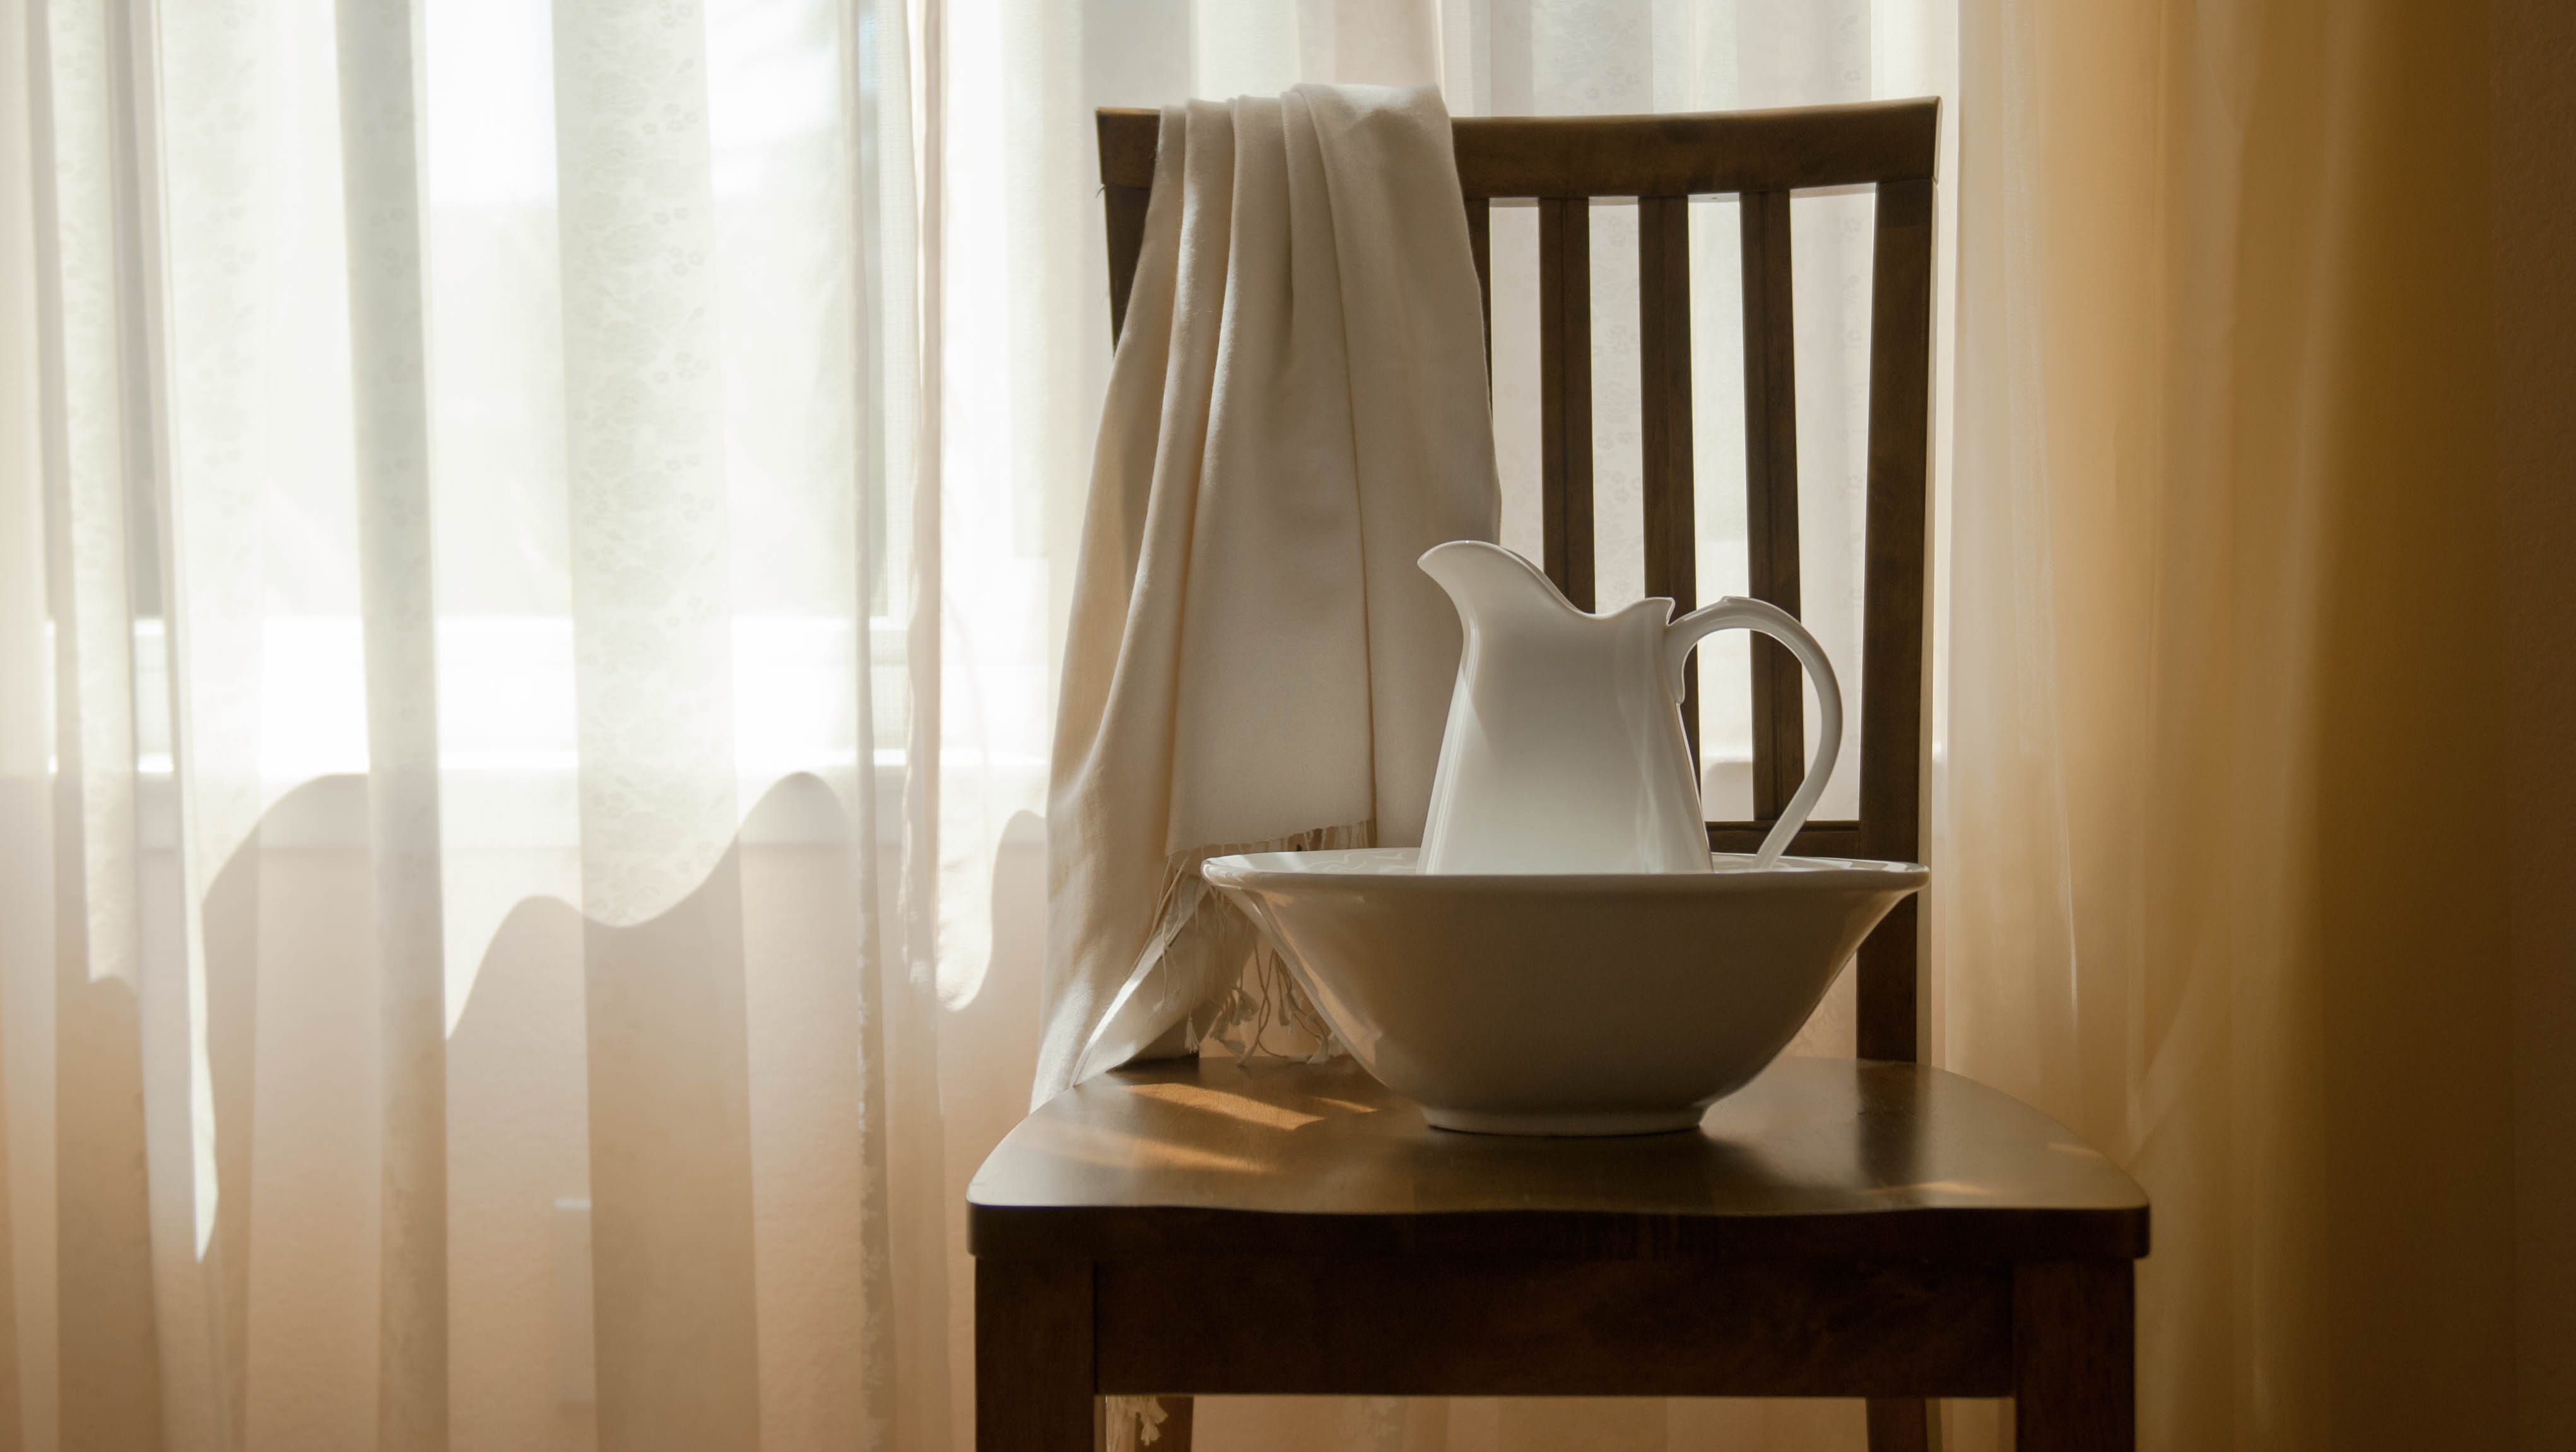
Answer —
1033 1366
1178 1415
2075 1380
1903 1424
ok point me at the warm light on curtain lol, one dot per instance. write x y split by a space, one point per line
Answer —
2224 687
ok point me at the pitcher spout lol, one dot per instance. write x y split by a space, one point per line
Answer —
1491 585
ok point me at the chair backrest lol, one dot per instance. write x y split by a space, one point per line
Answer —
1562 163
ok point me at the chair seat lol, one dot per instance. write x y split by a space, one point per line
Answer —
1818 1157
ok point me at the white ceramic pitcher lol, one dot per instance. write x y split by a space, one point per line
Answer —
1564 751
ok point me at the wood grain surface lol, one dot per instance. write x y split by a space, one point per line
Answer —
1476 1326
1034 1375
1640 156
1565 395
1664 417
1771 495
1896 621
1818 1157
2075 1356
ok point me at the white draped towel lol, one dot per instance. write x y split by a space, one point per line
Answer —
1297 411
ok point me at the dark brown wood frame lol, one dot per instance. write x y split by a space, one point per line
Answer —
1078 1297
1840 1228
2056 1336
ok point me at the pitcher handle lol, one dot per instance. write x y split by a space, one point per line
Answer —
1736 611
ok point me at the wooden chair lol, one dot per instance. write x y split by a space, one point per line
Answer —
1868 1228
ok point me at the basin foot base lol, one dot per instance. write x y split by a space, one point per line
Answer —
1579 1125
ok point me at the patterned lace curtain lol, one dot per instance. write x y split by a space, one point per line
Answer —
462 988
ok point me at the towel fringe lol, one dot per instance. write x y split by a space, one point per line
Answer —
1211 971
1264 995
1133 1422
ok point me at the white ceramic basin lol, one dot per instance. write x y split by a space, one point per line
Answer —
1574 1004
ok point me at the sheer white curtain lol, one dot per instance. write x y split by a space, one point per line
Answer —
531 542
460 501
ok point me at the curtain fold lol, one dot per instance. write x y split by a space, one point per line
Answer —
460 987
2223 687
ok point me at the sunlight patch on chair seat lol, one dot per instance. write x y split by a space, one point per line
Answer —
1233 1106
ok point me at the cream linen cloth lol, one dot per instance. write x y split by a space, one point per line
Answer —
1296 412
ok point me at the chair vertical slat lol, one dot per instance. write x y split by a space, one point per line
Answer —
1480 241
1896 637
1771 496
1125 207
1565 392
1664 406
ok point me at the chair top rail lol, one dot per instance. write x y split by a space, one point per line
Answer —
1671 155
